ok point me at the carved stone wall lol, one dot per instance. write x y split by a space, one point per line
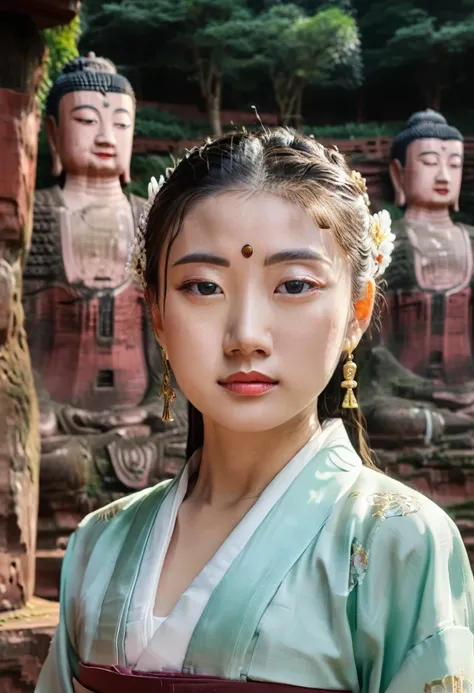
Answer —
20 73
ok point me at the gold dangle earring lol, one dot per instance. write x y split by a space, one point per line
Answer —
167 391
349 369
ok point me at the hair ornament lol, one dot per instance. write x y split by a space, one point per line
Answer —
136 263
380 228
361 184
383 239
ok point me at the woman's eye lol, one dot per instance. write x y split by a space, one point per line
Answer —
204 289
295 286
122 126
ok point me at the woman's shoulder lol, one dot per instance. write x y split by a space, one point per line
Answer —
390 529
377 498
119 512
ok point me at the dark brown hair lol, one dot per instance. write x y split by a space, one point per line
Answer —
298 169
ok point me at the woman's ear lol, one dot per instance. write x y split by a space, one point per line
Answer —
156 317
364 307
361 317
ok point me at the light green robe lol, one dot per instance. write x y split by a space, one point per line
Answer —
353 582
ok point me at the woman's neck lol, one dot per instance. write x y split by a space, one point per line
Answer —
237 467
85 190
420 215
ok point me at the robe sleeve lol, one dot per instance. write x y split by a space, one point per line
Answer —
57 672
414 621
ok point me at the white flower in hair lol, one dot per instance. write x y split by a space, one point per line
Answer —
136 263
383 238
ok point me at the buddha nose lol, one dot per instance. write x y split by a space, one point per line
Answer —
444 174
105 137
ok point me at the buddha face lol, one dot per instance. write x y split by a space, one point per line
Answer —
94 135
431 177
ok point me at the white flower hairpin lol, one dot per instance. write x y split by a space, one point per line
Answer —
136 263
380 228
384 239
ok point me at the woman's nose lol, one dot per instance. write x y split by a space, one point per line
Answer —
249 331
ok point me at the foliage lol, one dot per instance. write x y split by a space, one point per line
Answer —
353 130
434 51
61 45
143 168
157 124
419 42
298 49
417 51
208 38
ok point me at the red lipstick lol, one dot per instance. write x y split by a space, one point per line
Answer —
248 384
104 155
442 191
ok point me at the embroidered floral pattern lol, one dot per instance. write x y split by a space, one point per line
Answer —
389 504
109 512
359 564
383 505
450 684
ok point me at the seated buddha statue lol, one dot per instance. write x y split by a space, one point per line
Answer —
420 379
96 364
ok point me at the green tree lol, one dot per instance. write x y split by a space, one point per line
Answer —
208 39
299 50
61 45
434 52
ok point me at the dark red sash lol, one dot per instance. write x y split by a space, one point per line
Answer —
101 679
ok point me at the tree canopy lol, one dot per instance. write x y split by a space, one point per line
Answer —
275 53
61 45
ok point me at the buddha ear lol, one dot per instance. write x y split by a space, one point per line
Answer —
396 176
126 178
52 132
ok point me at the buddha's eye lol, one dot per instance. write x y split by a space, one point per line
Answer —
85 121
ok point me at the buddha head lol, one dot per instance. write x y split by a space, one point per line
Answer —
426 163
90 117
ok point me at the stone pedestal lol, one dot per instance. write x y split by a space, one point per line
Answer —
25 637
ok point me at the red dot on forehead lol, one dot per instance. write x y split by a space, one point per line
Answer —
247 250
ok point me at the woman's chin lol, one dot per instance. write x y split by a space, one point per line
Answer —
250 422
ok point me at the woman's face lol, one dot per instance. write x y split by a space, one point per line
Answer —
282 313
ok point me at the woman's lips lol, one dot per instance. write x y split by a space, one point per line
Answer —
248 384
104 155
442 191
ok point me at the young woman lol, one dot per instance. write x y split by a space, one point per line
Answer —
278 556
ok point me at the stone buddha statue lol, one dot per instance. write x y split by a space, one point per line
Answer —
419 386
97 367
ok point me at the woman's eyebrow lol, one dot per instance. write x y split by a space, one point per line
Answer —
203 259
290 255
295 255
